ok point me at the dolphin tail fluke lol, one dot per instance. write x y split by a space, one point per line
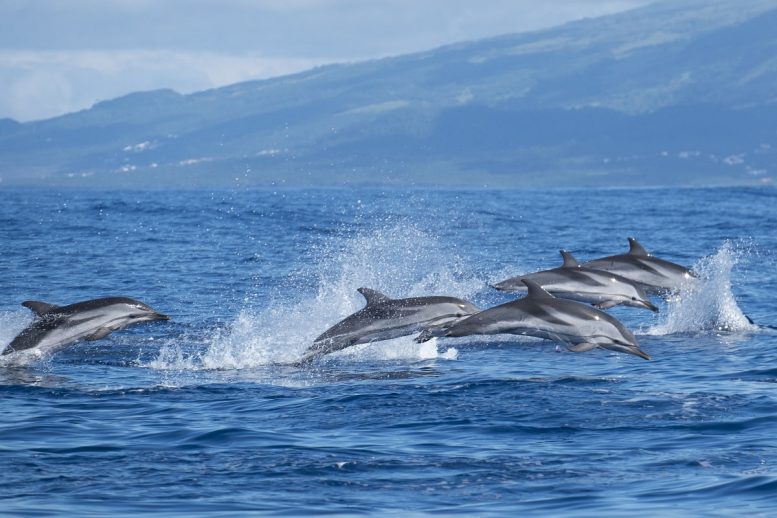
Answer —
424 336
306 359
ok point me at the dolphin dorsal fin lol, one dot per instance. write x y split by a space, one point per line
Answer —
38 307
636 249
569 259
535 290
373 296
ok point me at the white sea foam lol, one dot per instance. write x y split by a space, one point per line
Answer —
708 303
11 324
401 261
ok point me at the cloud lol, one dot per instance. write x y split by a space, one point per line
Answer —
59 56
306 28
42 84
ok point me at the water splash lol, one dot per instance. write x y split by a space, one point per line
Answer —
708 303
401 261
11 324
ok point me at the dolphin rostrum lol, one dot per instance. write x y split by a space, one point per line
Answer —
575 282
384 318
57 326
656 275
579 326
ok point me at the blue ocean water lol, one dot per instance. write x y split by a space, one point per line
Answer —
199 416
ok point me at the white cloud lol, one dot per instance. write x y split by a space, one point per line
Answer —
35 94
41 84
48 64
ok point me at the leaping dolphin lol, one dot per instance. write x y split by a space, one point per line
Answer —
384 318
57 326
579 326
575 282
656 275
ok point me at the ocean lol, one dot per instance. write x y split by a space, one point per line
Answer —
203 415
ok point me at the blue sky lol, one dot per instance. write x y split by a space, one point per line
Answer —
59 56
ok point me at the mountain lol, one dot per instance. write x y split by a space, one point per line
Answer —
682 92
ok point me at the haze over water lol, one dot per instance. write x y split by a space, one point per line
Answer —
196 415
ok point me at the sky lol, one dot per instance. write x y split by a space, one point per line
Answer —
59 56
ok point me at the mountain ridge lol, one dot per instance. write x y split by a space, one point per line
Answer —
591 102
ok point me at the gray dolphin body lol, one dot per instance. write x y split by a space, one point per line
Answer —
58 326
384 318
579 326
656 275
575 282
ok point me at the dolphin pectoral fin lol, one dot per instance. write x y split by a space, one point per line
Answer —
433 331
38 307
606 304
581 348
99 334
427 334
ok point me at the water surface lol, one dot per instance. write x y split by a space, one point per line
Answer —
199 416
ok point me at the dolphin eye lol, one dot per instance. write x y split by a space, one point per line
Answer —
633 298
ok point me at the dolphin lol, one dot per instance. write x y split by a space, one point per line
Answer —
656 275
579 326
384 318
57 326
572 281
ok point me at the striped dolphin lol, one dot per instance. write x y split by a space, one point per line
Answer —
57 326
579 326
575 282
384 318
656 275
